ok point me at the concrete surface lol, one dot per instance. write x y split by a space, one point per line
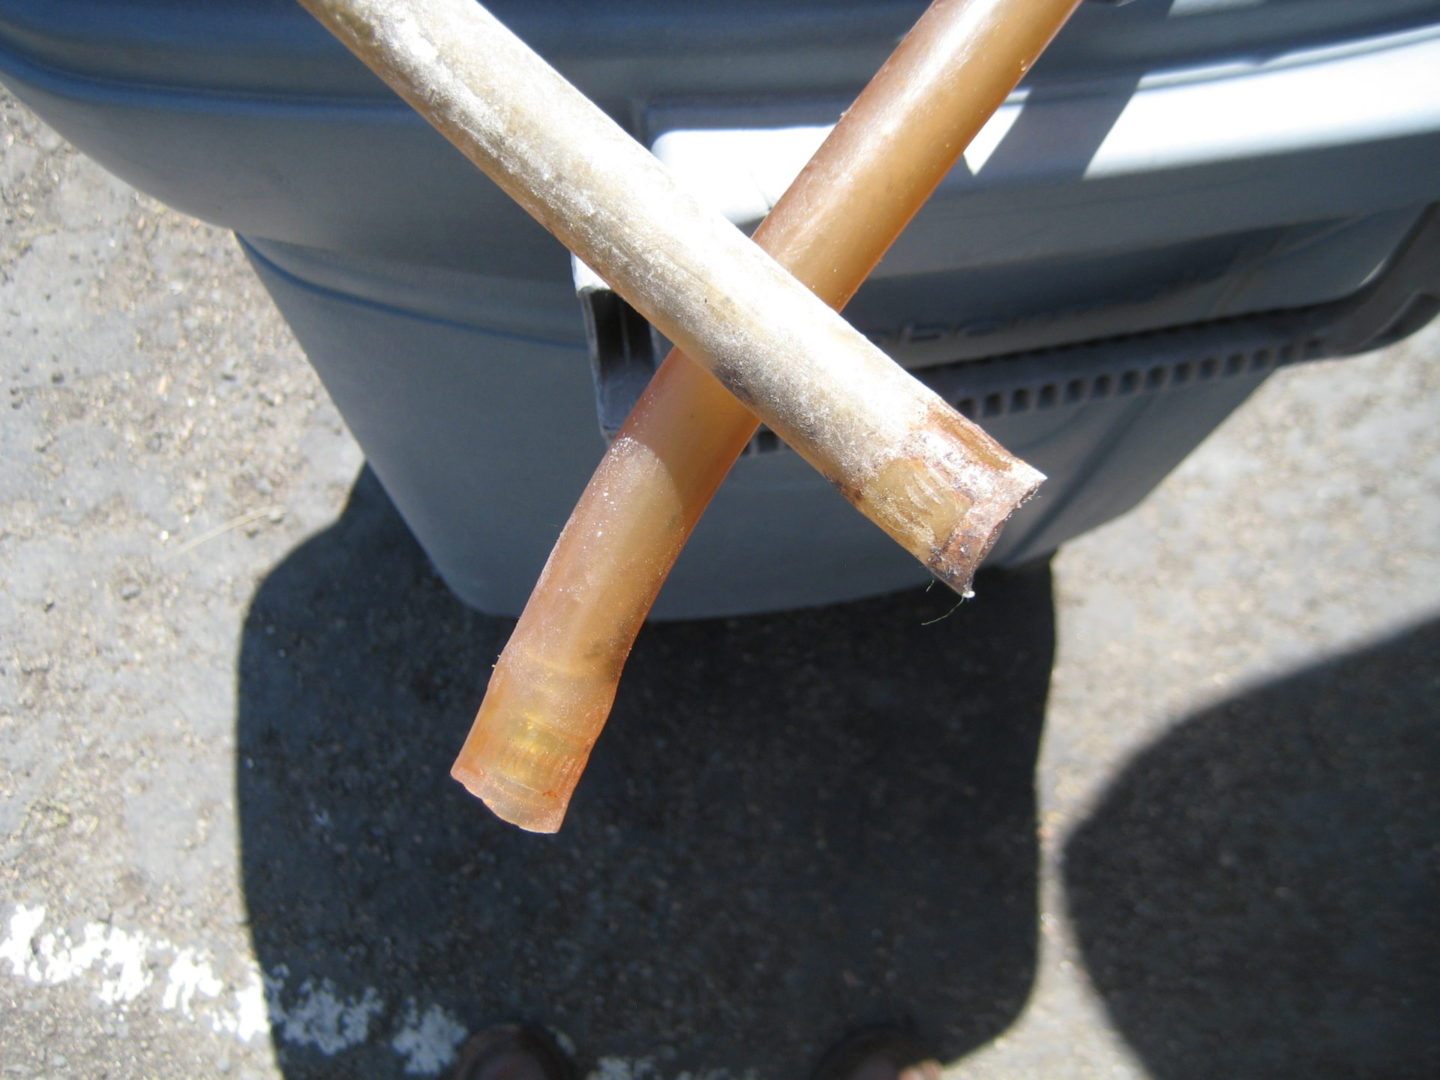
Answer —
1167 808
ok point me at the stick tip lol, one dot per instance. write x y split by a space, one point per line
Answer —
533 811
947 500
956 560
988 485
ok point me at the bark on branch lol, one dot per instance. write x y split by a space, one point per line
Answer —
931 479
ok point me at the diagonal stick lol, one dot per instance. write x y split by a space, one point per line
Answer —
934 481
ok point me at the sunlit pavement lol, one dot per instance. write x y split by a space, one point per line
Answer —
230 687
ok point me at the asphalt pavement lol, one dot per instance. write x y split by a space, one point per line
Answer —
1166 807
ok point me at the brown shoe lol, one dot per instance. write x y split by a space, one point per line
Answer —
512 1052
878 1054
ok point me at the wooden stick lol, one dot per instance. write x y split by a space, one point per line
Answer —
931 479
554 684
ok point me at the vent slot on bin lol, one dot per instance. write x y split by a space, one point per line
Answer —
625 350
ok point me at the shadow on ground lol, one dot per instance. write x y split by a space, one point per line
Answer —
1259 893
794 824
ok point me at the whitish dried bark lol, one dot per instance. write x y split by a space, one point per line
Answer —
931 479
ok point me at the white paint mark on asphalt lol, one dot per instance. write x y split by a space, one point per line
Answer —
25 923
251 1016
189 974
54 958
427 1040
112 950
133 969
321 1017
121 966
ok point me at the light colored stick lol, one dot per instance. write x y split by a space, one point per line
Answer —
926 475
552 689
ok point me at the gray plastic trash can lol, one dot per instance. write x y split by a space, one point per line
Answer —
1181 197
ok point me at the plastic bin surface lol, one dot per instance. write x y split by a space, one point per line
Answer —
1169 164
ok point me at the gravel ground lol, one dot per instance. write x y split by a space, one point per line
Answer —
1166 807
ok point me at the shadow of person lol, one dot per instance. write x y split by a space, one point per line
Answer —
795 823
1258 895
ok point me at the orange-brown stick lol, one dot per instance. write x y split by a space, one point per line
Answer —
553 686
927 476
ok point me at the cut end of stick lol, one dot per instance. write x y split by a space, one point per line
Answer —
956 560
533 734
947 497
529 810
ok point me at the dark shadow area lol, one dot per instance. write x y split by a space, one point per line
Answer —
794 824
1259 893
